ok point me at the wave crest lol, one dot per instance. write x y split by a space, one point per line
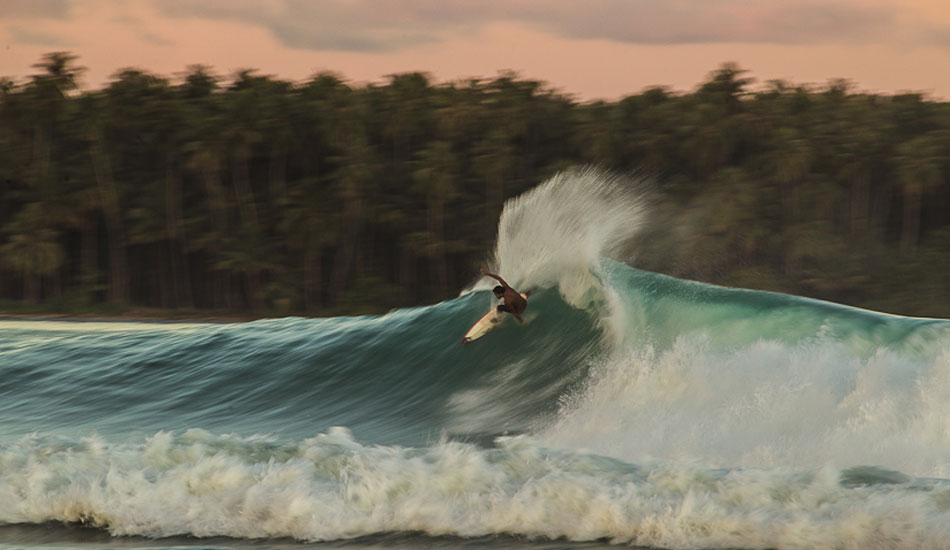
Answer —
557 233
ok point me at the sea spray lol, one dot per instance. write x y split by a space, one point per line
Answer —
735 378
557 233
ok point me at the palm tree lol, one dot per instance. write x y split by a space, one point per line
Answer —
919 171
33 249
435 179
355 179
112 211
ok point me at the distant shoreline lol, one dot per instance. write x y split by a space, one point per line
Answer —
170 315
141 315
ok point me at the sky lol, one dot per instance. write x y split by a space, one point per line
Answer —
590 49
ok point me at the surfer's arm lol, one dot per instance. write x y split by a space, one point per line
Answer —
493 276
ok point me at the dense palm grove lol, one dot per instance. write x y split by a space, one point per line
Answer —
255 194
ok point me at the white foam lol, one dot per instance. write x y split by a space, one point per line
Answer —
767 404
332 487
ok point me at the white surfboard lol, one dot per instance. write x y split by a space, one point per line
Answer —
485 325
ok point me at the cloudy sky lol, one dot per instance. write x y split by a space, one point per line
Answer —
589 48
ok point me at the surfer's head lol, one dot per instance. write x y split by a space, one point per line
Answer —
499 291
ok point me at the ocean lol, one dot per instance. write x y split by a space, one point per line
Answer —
631 409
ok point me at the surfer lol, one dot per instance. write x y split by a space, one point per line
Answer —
513 302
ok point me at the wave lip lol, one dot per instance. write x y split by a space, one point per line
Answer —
556 234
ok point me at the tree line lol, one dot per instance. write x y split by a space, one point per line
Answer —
264 196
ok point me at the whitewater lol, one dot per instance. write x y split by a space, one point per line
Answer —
632 408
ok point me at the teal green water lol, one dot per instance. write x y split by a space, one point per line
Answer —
390 379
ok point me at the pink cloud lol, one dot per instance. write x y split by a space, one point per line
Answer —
378 25
166 39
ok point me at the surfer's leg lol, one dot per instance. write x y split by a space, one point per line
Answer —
502 308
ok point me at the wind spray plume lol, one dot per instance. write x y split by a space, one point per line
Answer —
558 232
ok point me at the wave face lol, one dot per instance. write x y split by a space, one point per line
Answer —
631 408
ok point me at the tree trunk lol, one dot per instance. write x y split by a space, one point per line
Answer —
911 221
345 254
240 178
313 280
494 199
174 228
881 210
109 198
436 222
406 262
89 258
216 199
277 175
31 288
860 202
343 263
